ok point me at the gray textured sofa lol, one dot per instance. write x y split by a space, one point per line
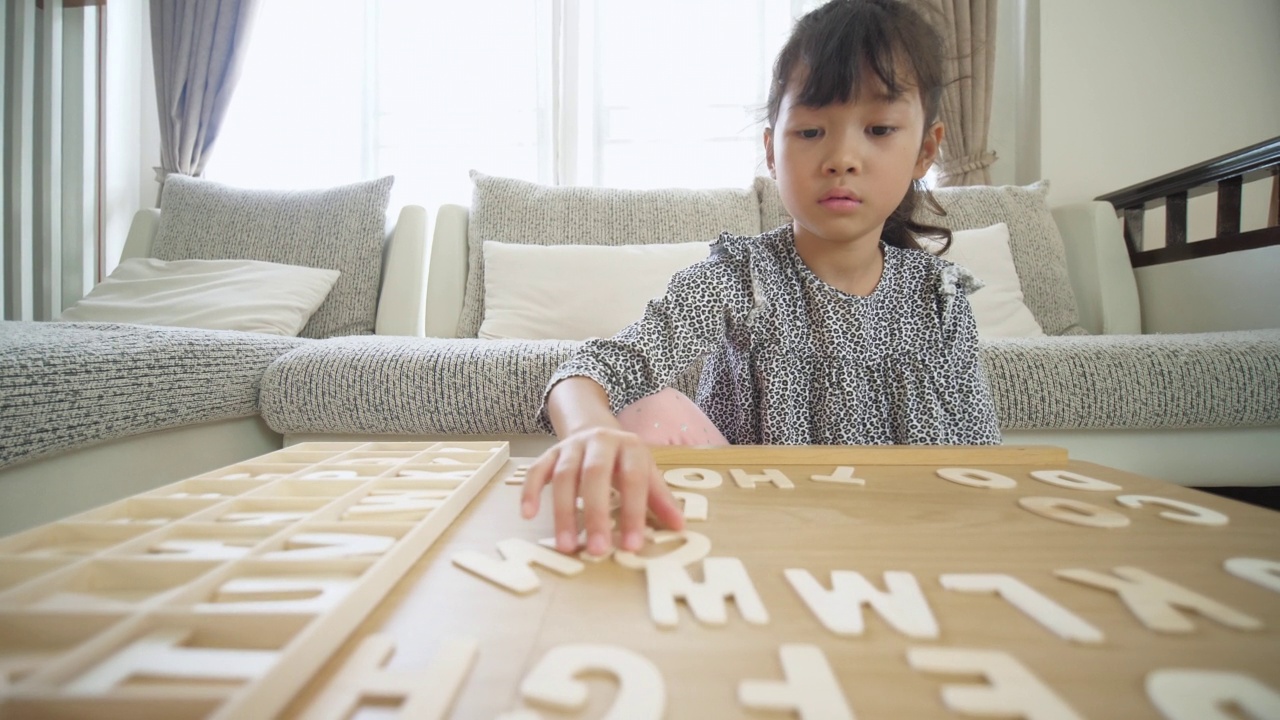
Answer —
90 412
1200 410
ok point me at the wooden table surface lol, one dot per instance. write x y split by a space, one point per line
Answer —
905 518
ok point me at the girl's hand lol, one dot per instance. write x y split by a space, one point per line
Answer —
588 464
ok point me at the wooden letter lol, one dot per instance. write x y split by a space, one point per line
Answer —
290 593
693 478
325 546
749 482
693 505
1205 695
158 655
1073 481
426 694
1153 600
1256 570
642 695
1012 690
696 546
1191 514
407 505
840 609
977 478
1075 512
842 475
810 688
1055 618
513 572
724 577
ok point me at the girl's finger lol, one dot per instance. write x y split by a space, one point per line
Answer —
632 479
538 476
663 503
594 485
564 497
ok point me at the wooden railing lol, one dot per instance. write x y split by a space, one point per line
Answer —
1226 175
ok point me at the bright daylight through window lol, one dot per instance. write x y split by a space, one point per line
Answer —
665 93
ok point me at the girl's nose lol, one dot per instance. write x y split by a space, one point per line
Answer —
845 159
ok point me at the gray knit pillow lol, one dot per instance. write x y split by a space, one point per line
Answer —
516 211
772 213
1034 240
341 228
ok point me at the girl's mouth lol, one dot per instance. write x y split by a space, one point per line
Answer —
840 203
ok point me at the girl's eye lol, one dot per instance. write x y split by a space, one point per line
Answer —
881 130
809 133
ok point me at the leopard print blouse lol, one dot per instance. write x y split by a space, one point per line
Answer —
788 359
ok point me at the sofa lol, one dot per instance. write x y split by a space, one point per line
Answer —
94 411
1200 410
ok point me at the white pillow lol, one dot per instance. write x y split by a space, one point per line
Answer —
573 292
998 307
247 295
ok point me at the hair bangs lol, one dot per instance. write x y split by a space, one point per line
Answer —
841 57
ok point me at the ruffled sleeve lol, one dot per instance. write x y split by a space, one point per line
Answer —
974 421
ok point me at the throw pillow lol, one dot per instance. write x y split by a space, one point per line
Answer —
341 228
1034 242
997 307
246 295
573 292
526 213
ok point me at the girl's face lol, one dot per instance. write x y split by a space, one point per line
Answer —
843 168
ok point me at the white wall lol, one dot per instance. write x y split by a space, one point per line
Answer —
1132 89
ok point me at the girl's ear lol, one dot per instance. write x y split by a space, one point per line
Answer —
929 149
768 152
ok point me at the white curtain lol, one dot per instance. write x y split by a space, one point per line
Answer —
969 27
197 49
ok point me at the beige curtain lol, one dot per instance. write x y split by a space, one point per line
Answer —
198 47
969 26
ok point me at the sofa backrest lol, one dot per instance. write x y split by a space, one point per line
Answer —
402 292
1047 259
520 212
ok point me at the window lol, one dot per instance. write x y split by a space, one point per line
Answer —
664 93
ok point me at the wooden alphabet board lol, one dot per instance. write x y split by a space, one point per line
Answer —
954 600
220 595
809 582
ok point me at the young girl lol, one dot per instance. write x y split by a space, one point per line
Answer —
835 329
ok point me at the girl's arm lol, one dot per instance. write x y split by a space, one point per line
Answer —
594 455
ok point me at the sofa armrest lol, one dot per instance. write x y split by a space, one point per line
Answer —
1098 263
447 272
142 233
402 298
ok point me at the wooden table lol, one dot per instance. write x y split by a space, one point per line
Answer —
904 518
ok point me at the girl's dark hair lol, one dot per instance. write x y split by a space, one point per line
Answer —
845 41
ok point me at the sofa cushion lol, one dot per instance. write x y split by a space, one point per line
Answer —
526 296
341 228
475 387
65 385
245 295
515 211
1140 382
998 306
1034 240
407 386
